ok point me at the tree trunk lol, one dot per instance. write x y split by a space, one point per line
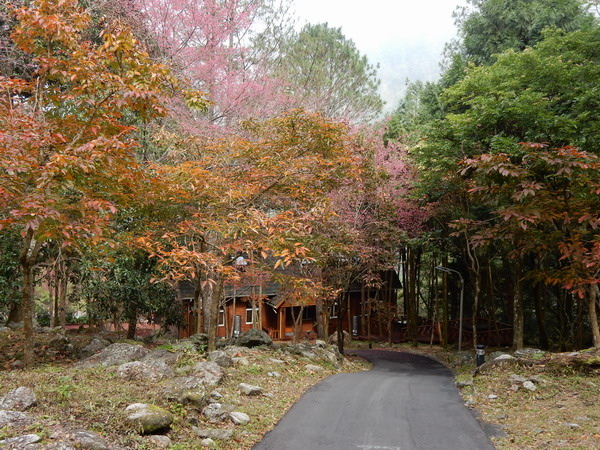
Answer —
132 323
27 259
320 319
212 321
518 321
593 292
540 316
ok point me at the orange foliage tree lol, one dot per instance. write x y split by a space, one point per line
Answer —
66 143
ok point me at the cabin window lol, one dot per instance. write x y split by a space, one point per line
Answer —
221 317
309 313
334 311
250 314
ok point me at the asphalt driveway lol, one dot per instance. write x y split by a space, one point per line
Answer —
405 402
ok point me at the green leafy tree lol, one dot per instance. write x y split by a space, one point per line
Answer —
326 73
490 27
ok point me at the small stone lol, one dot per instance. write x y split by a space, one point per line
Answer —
160 441
502 417
313 368
529 386
273 374
470 402
571 425
208 442
573 354
18 399
16 364
216 395
248 389
276 361
503 357
515 387
239 418
464 384
216 412
537 431
582 418
20 441
492 396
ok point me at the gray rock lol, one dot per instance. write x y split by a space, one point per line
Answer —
276 361
61 343
149 418
320 344
582 418
88 440
528 352
177 387
223 434
492 396
464 384
221 358
217 412
515 387
197 398
15 419
208 442
16 364
504 357
239 418
94 346
248 389
529 386
254 338
15 325
313 368
235 350
160 441
18 399
494 355
161 354
241 361
114 355
517 378
151 370
571 425
273 374
20 441
4 329
209 372
216 395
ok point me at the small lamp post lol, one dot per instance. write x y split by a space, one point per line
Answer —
462 291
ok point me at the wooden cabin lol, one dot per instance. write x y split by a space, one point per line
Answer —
261 306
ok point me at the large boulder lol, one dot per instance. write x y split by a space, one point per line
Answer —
161 354
145 370
254 338
148 418
18 399
210 373
94 346
180 388
15 419
20 441
221 358
114 355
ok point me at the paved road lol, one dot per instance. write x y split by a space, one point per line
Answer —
406 402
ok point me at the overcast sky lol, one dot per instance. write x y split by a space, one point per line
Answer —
406 37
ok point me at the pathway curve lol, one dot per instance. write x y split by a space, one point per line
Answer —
405 402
